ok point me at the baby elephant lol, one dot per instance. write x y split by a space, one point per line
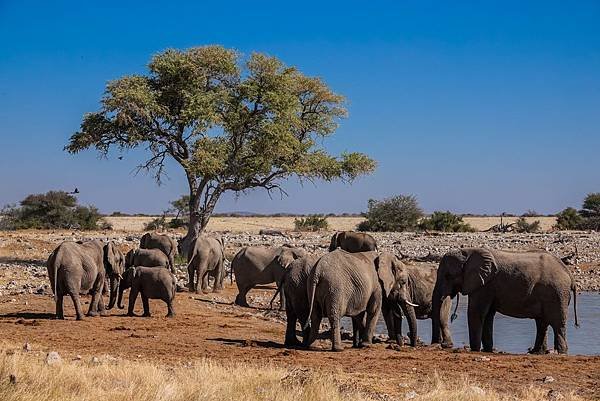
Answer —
152 283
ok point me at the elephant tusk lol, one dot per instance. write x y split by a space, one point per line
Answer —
411 304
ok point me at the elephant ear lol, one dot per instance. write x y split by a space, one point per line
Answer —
129 258
385 271
334 240
285 257
479 268
113 259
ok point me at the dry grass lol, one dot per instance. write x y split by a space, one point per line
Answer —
254 224
27 377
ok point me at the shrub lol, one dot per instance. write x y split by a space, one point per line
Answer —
590 212
177 223
398 213
523 226
445 221
530 213
54 209
159 223
568 219
313 222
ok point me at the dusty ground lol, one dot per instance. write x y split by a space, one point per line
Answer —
208 326
254 224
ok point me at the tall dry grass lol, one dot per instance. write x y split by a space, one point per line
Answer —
27 377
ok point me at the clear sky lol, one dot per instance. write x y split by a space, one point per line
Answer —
479 107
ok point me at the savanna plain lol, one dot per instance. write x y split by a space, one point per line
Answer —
214 350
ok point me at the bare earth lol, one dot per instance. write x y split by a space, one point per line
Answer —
209 326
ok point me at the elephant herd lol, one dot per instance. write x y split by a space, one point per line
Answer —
353 279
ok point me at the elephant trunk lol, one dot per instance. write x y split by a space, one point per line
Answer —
114 286
120 301
437 299
409 312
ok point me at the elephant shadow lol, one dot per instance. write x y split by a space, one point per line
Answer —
248 343
29 316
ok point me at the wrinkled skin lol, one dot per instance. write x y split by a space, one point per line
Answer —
297 305
151 283
254 266
163 242
344 284
207 257
534 285
352 242
79 268
404 286
146 257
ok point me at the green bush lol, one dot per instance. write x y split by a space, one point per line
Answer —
313 222
52 210
568 219
398 213
159 223
522 226
177 223
445 221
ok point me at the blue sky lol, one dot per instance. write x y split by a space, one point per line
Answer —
479 107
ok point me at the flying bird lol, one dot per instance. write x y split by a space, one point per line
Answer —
76 191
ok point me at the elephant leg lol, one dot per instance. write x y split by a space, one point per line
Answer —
357 329
313 330
219 274
336 336
541 337
77 305
146 305
191 278
133 294
60 314
372 316
560 338
475 317
282 300
240 299
487 337
290 329
170 310
96 292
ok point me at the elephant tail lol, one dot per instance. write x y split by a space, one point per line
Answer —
313 280
53 264
574 289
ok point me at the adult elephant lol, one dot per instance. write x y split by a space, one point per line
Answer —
163 242
533 284
206 258
407 290
253 266
146 257
76 268
352 241
293 285
344 284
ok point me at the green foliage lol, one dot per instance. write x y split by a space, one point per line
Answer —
568 219
445 221
591 206
177 223
523 226
181 207
159 223
398 213
54 209
232 123
313 222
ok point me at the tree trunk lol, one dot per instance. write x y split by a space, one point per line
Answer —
199 218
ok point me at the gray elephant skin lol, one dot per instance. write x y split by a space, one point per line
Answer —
293 285
533 284
151 283
408 290
206 258
77 268
352 241
344 284
254 266
146 257
163 242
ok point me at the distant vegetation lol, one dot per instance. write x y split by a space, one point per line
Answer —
588 218
52 210
445 221
313 222
398 213
523 226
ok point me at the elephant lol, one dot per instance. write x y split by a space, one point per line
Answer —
259 265
407 290
146 257
152 283
344 284
163 242
76 268
293 285
207 257
530 284
352 241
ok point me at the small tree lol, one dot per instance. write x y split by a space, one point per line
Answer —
523 226
313 222
590 212
181 207
568 219
398 213
445 221
231 124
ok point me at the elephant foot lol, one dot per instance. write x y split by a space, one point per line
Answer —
292 343
59 317
78 317
338 348
169 315
241 302
539 351
365 344
92 314
447 345
130 314
105 313
146 315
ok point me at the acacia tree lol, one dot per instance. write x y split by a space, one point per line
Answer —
232 124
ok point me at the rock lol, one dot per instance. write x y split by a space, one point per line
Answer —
477 390
482 359
12 379
95 360
554 395
78 357
53 358
548 379
27 347
410 395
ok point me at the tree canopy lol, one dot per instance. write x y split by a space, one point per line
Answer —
232 123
